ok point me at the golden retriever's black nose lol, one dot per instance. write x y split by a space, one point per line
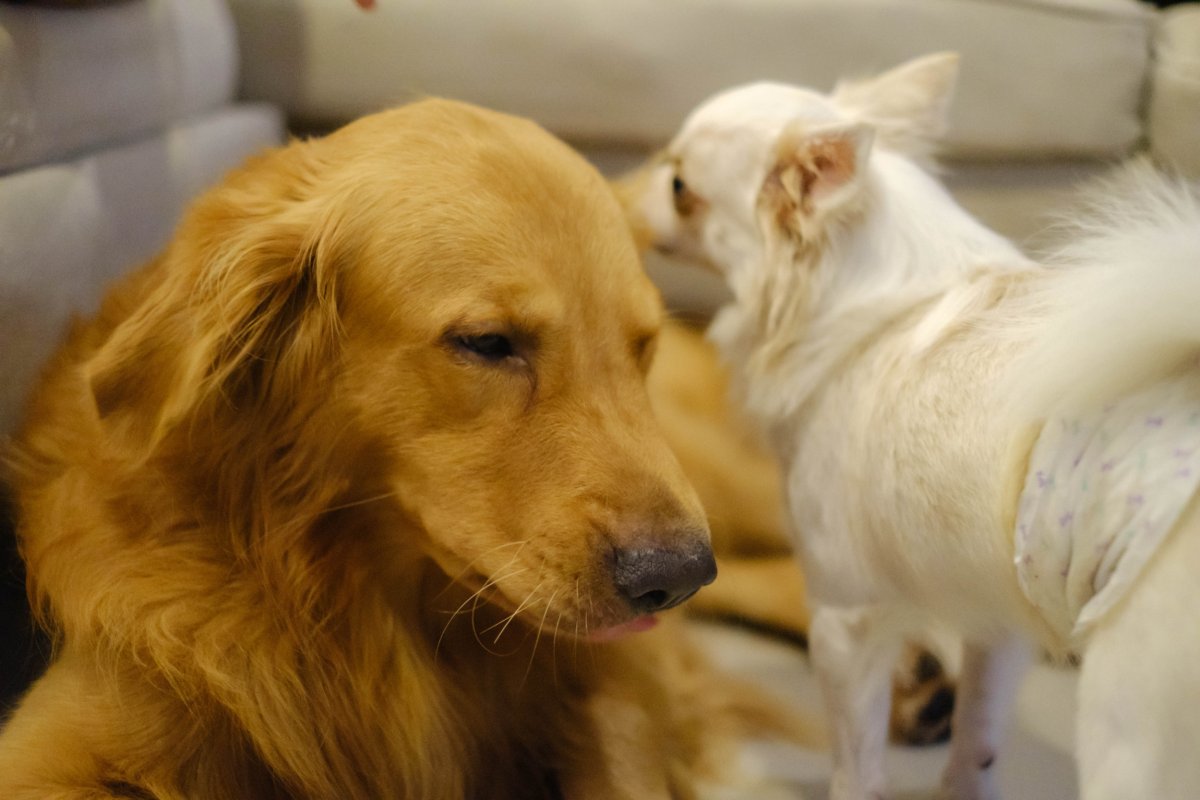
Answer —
657 578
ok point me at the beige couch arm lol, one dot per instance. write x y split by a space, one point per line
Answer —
1173 117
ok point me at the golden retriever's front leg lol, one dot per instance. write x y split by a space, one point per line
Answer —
627 761
49 747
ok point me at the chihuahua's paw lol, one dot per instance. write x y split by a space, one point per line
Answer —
922 699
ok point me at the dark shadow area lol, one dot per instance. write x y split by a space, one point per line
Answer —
24 648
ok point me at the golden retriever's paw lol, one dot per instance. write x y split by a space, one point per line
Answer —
922 699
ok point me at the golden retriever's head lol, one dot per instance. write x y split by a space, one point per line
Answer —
434 319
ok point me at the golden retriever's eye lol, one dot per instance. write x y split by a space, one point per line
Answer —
685 199
643 350
488 346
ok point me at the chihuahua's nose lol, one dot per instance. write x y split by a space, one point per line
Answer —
656 578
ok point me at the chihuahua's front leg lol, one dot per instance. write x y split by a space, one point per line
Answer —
990 677
853 653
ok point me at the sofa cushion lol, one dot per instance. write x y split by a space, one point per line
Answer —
64 3
1039 77
68 229
75 79
1174 109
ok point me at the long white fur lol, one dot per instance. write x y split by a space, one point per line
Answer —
1123 305
898 259
901 356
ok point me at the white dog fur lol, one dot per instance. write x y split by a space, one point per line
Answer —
880 334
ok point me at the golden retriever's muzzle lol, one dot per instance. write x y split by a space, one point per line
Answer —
652 579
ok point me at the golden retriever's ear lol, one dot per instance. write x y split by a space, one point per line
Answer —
242 307
816 172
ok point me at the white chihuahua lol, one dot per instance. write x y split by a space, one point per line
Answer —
1009 448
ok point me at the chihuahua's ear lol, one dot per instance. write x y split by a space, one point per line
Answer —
816 172
908 105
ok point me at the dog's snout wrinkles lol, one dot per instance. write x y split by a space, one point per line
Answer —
655 578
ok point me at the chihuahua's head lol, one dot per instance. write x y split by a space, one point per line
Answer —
767 162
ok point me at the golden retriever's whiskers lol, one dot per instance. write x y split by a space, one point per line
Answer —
478 634
504 623
537 640
554 649
591 651
476 596
478 593
529 597
491 582
362 502
575 640
454 579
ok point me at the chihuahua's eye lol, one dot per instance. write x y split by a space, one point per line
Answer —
488 346
685 199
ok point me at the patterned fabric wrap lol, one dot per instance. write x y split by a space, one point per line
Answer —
1102 492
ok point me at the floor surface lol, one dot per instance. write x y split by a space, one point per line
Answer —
1036 763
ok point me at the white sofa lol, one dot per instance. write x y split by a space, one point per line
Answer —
1051 90
111 118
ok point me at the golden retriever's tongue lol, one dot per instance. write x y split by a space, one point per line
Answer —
615 632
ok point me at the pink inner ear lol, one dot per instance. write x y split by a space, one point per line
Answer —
816 171
832 161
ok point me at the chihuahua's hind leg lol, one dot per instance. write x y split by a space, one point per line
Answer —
1139 688
991 675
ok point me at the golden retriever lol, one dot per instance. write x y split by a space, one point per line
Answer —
355 491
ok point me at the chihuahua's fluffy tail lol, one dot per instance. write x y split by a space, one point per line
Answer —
1121 305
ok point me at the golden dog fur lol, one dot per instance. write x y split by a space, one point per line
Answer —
302 532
